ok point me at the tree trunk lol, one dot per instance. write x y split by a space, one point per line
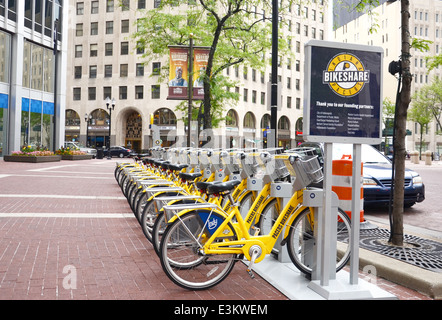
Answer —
397 232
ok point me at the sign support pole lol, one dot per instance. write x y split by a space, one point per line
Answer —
355 212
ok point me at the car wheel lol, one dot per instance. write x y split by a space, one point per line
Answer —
121 155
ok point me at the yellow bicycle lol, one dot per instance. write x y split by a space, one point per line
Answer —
200 246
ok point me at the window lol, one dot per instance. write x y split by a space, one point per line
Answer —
124 26
139 92
141 4
289 102
94 28
110 6
108 49
109 27
77 72
77 94
124 48
155 91
140 48
263 98
123 93
94 7
108 71
107 92
140 69
92 72
123 70
80 8
125 5
246 93
254 96
92 93
79 29
78 51
94 50
156 68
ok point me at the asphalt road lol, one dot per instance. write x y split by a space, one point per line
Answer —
427 214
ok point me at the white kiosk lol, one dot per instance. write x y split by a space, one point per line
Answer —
343 104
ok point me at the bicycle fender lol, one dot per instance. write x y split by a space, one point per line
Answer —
178 201
161 192
183 212
292 218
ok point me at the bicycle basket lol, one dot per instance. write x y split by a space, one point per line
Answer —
277 169
306 169
228 159
252 165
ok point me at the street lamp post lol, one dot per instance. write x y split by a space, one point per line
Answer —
88 119
110 105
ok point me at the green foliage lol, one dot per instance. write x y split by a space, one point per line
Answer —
236 34
434 62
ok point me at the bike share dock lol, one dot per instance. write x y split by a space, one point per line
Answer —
335 111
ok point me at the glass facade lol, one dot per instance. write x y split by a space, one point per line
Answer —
35 103
5 55
38 75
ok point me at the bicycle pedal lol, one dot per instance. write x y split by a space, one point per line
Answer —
257 230
251 274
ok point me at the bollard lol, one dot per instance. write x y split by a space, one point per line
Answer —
414 157
428 158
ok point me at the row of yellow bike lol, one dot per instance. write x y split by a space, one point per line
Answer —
203 210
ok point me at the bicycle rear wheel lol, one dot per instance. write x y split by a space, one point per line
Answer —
180 254
301 241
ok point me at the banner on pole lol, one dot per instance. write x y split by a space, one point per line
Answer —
200 59
178 73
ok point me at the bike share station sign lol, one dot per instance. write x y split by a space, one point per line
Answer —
343 104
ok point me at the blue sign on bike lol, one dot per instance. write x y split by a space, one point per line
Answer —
343 93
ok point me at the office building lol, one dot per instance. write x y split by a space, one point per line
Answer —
425 23
32 80
104 62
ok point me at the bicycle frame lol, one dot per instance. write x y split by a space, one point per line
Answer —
242 227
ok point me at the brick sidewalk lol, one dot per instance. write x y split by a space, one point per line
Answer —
67 232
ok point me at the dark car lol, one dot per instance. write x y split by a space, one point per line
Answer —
377 175
120 152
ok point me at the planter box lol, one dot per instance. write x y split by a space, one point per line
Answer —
76 156
32 159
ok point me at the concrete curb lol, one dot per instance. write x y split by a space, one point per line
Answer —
402 273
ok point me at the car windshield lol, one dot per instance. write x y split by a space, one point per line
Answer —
368 154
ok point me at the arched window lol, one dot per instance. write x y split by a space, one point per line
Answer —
72 118
164 116
232 118
249 120
265 121
284 123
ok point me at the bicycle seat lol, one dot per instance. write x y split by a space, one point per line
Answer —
190 176
223 186
177 167
203 185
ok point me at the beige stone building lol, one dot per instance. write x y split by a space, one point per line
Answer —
425 23
103 63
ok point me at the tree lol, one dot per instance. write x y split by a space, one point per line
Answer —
402 104
404 98
236 32
420 111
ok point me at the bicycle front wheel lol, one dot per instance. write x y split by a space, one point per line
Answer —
301 241
180 252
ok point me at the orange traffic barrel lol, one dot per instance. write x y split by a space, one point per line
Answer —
342 171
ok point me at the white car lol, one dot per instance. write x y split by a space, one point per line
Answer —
79 146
